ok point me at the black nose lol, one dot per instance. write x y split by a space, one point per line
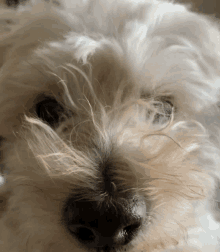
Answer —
102 225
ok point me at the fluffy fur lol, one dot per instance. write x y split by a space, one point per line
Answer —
103 101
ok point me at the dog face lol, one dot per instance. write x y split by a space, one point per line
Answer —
109 125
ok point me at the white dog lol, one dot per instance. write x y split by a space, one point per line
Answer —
109 123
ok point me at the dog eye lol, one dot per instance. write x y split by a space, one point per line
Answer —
49 110
162 111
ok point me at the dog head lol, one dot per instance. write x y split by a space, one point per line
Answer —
105 115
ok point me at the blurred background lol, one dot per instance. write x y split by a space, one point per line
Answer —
211 7
205 6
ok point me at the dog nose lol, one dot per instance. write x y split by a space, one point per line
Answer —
105 225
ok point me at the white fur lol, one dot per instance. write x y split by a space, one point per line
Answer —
89 55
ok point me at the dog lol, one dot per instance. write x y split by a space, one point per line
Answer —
109 125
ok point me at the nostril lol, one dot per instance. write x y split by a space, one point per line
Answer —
133 228
126 234
84 234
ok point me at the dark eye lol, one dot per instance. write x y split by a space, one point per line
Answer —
164 111
49 110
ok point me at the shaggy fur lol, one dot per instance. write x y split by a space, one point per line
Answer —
109 111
